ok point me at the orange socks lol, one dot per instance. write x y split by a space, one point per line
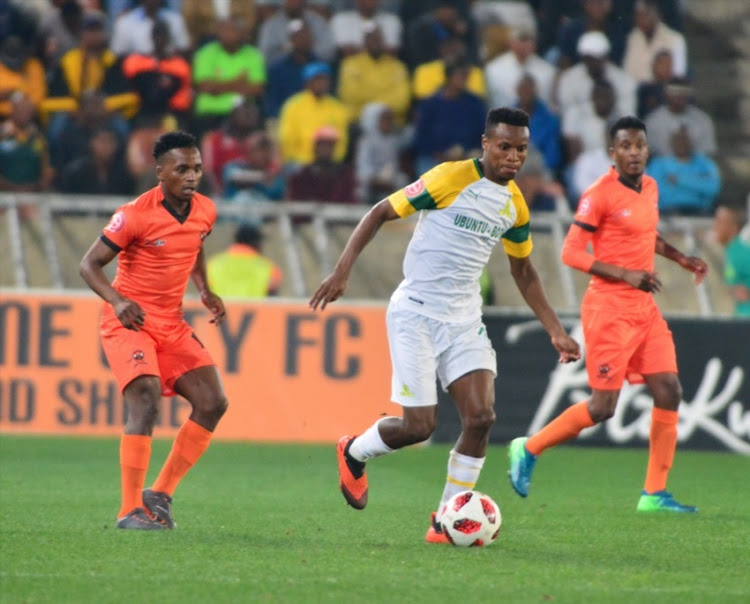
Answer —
565 426
135 452
191 442
662 444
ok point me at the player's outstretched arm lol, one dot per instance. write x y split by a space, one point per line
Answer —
210 300
691 263
335 284
576 255
91 269
530 285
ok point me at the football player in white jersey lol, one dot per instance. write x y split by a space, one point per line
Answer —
434 318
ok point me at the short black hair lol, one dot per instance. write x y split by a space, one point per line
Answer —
506 115
628 122
249 234
173 140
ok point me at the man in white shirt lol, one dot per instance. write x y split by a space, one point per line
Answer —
647 38
503 73
348 27
576 82
132 30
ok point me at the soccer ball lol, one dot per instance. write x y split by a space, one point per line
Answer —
471 518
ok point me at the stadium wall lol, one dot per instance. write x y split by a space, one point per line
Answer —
292 375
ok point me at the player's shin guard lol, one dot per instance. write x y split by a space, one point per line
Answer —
662 445
463 474
135 453
191 442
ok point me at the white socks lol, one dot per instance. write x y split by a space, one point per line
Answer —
463 474
369 444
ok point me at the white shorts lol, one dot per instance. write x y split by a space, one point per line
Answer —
422 348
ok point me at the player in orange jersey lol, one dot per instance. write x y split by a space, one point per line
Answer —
149 345
626 336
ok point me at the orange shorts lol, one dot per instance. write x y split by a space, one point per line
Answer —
625 345
166 349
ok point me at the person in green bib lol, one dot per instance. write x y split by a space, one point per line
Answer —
728 229
241 271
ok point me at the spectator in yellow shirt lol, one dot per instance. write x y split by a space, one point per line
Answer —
305 112
372 75
430 77
19 72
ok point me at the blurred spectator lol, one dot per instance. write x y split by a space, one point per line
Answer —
162 78
273 38
585 127
505 71
132 30
115 8
101 170
258 176
597 17
411 10
305 112
449 124
426 33
264 10
374 76
19 72
73 139
377 164
671 12
430 77
202 18
325 179
226 72
732 231
688 181
242 271
539 188
348 27
550 15
322 8
648 37
228 143
544 126
678 111
586 170
59 30
138 153
89 67
24 161
285 75
652 94
575 84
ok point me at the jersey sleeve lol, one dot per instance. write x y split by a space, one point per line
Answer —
432 191
591 210
517 239
121 229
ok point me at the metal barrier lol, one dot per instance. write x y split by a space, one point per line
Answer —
286 215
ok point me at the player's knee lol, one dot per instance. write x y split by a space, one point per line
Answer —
601 412
481 421
420 430
216 407
142 400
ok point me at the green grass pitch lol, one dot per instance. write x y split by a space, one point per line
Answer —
263 523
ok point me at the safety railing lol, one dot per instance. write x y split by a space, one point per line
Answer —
689 233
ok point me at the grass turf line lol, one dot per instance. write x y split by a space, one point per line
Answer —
267 523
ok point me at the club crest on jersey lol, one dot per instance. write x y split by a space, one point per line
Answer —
604 372
203 235
116 222
414 189
585 206
138 358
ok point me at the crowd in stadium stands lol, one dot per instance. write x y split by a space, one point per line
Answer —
343 100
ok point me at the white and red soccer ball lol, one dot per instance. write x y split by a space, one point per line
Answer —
471 519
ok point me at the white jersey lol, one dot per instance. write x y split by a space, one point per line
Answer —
463 215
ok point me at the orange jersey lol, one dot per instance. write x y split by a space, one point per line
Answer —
621 224
158 250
